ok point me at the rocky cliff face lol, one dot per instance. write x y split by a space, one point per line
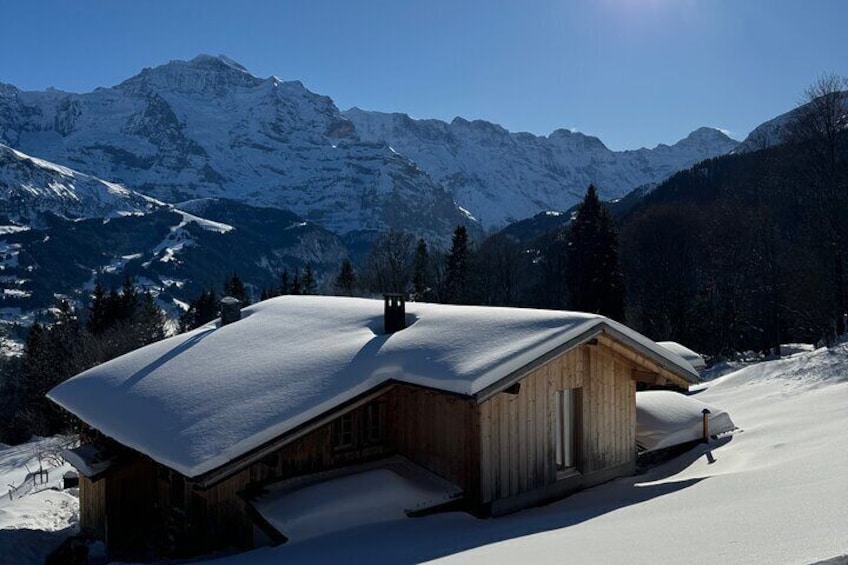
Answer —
501 177
208 128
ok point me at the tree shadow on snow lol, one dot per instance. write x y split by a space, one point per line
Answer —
423 539
150 367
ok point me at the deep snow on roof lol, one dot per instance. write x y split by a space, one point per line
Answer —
665 418
195 401
695 359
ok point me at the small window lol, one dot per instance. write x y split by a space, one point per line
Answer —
343 432
567 417
374 428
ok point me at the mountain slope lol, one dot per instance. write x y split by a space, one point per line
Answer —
501 176
60 230
208 128
777 130
30 187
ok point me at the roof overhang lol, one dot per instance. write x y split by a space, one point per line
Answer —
91 460
677 373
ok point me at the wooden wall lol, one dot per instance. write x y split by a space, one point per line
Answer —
433 429
93 505
517 430
438 431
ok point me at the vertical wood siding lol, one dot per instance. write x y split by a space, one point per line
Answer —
517 431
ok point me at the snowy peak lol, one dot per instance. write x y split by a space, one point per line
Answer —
707 139
208 128
205 74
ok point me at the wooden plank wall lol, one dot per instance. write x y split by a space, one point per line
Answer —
609 417
130 495
93 505
517 434
436 430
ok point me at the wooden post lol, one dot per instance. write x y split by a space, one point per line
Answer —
706 414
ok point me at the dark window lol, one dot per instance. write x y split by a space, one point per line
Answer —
343 432
374 422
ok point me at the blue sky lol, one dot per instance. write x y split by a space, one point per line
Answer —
632 72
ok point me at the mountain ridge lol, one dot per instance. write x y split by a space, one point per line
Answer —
207 127
502 176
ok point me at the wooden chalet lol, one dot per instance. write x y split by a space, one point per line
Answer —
514 407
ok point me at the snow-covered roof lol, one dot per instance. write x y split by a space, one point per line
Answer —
665 418
694 359
198 400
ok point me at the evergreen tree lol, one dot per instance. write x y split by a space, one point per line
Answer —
147 321
129 299
345 279
308 283
420 275
97 320
234 287
285 287
457 269
201 310
594 278
296 287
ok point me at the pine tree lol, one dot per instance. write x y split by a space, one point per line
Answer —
345 279
308 283
420 276
594 278
97 320
201 310
285 288
148 321
296 287
457 268
234 287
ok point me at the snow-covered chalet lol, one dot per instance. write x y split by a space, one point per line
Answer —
216 437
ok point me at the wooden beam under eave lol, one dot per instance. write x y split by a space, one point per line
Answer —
665 376
647 377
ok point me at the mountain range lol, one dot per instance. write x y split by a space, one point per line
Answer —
193 169
209 128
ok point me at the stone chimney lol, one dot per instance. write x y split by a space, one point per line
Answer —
394 312
230 310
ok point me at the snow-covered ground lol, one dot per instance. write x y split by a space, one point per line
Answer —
35 514
774 492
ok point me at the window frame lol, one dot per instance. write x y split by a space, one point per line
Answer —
567 427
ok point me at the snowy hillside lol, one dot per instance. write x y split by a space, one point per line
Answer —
773 492
775 131
30 187
208 128
501 177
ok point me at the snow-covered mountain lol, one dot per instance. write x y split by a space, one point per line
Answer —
208 128
30 187
60 230
501 176
776 131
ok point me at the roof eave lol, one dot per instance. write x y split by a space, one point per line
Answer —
686 375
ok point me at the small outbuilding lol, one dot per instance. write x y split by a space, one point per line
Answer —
693 358
193 439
